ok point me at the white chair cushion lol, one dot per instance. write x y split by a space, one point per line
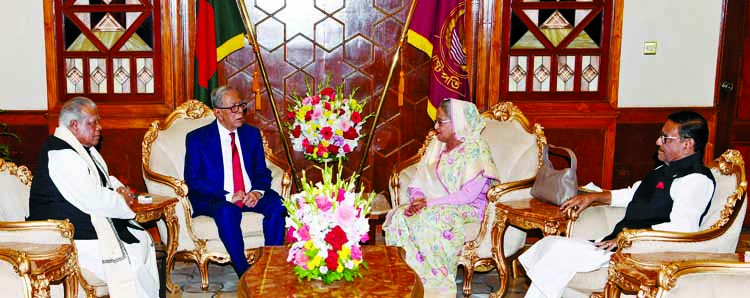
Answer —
14 198
100 287
716 285
204 227
168 150
514 150
725 186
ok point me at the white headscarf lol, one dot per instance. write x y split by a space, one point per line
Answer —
440 173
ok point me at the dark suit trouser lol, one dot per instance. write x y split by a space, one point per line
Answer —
228 216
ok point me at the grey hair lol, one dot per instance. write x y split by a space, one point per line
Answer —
73 110
218 94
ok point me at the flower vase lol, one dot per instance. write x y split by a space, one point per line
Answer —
326 223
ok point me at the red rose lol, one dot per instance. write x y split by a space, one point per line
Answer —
347 149
315 99
356 117
327 105
332 261
328 92
321 149
308 148
290 115
326 132
297 131
333 149
308 116
341 112
336 237
351 134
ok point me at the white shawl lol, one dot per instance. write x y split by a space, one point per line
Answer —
120 278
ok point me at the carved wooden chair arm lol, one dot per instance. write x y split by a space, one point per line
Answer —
500 189
626 238
63 227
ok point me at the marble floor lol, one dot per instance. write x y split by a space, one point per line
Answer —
223 280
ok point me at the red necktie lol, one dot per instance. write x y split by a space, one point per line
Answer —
239 183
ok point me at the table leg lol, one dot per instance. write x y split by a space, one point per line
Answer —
170 218
70 284
611 290
498 252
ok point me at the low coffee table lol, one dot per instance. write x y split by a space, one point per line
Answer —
387 275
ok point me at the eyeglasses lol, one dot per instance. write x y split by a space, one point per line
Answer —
442 122
664 137
235 108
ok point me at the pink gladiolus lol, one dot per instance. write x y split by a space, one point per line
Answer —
290 235
301 259
323 203
366 237
304 233
341 196
356 252
306 100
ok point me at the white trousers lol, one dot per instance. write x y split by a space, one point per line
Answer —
553 261
141 257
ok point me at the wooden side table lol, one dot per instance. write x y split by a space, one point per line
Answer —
387 275
161 207
526 214
651 274
41 264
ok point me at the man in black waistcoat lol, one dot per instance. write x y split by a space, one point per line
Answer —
672 197
72 182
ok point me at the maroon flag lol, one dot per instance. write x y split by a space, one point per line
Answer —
435 29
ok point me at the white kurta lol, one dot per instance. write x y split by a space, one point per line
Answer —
553 261
128 269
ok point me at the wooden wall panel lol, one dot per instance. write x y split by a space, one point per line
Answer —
354 43
31 127
635 148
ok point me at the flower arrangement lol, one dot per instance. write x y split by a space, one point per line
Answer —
325 225
326 126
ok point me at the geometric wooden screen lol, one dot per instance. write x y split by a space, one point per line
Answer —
555 49
109 50
354 42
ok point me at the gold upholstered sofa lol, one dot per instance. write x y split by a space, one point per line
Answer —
516 148
163 168
719 233
17 276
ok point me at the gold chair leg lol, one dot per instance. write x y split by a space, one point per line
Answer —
203 268
468 277
498 234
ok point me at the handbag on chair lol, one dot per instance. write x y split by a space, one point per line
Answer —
555 186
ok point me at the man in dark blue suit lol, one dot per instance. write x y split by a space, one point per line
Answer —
226 174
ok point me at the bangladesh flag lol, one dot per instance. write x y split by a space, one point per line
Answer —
219 32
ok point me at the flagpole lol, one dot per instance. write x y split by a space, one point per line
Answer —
385 93
258 59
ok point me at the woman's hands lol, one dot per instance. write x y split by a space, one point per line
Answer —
415 206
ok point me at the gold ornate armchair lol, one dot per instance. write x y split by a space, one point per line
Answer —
516 149
678 274
719 230
163 171
29 237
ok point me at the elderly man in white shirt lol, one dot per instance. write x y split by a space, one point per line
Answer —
672 197
72 182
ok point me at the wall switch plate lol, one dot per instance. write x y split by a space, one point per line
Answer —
649 48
